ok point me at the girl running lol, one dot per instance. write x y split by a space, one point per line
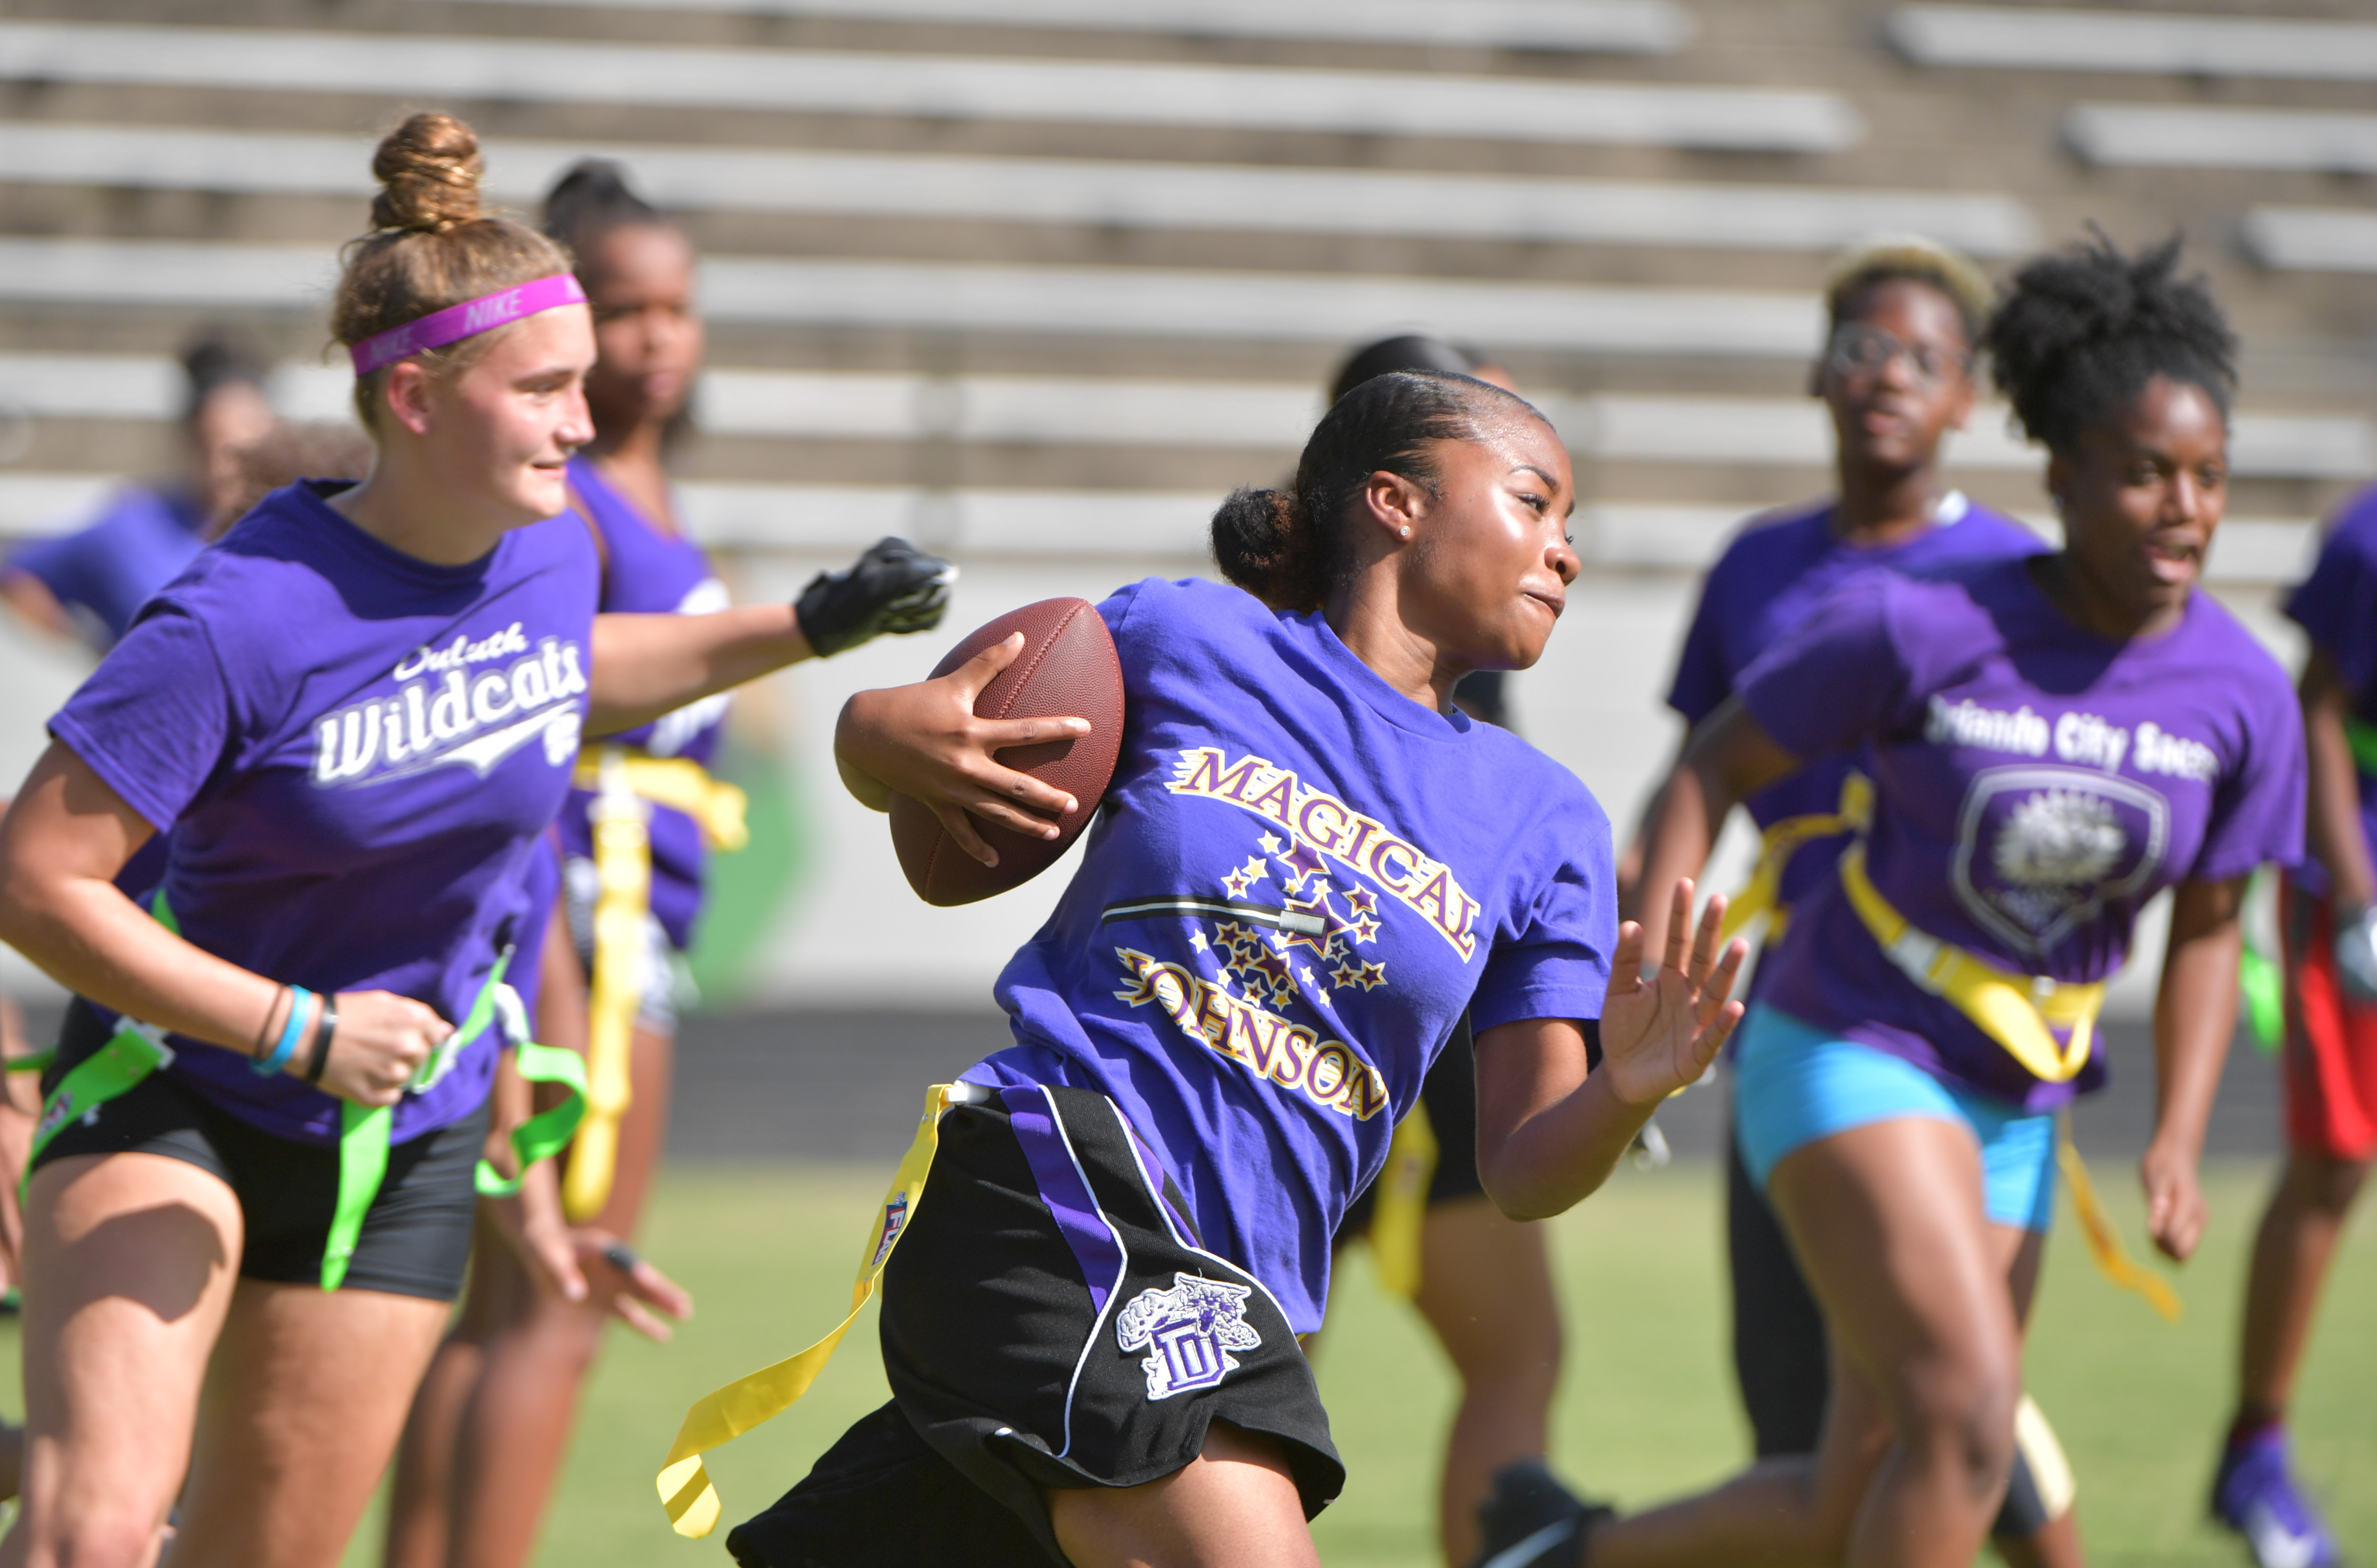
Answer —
1897 376
254 1173
1482 1281
493 1420
2065 737
2328 924
1307 867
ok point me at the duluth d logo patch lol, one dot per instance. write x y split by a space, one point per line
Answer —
1187 1333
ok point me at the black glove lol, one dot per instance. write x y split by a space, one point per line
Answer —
894 587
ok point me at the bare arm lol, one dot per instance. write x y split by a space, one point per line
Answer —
1727 756
2195 1013
2337 839
30 597
62 842
1548 1131
924 742
647 665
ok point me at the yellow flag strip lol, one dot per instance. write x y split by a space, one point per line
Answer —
726 1414
1397 1216
2104 1240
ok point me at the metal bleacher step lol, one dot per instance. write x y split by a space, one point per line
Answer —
2312 239
2174 135
1138 302
1129 193
1597 26
2160 43
931 86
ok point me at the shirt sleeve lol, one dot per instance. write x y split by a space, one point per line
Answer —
1555 961
2336 605
2257 805
1837 679
154 720
1702 680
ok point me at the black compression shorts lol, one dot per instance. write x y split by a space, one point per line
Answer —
416 1235
1049 1321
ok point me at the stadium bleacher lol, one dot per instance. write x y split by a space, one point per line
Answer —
1040 248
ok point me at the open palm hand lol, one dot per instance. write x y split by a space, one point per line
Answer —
1660 1032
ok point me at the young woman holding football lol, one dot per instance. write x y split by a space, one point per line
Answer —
1309 864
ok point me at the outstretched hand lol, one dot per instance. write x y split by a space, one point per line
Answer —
1660 1032
924 742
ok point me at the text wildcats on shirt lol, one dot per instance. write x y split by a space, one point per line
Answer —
453 719
1329 825
1327 1072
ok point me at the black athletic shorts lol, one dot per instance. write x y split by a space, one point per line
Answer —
1048 1320
1450 1094
416 1235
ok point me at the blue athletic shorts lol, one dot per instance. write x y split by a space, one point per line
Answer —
1795 1082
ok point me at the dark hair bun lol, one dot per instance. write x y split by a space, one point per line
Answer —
429 170
588 200
1412 351
2083 330
1264 543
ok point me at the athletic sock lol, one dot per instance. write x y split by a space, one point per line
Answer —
2249 1429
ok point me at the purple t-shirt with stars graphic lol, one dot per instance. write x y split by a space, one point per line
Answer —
2034 783
353 749
2336 605
1299 879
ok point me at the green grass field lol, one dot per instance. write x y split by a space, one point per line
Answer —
1645 1408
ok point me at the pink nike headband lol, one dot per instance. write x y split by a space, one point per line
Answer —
466 320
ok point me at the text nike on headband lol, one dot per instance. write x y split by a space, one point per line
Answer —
466 320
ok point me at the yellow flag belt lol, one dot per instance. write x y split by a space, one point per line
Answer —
726 1414
2021 1012
626 785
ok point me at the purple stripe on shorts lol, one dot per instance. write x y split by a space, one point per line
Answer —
1159 1183
1064 1190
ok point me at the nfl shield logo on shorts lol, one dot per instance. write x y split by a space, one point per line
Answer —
1187 1333
895 1215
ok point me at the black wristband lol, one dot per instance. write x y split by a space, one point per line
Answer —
323 1028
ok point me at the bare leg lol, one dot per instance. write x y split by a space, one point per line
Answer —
2292 1254
1485 1288
132 1259
308 1391
419 1513
1234 1506
1887 1221
516 1430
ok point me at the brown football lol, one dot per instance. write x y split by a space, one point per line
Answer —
1067 668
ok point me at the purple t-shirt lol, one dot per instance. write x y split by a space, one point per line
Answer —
1764 586
654 571
353 749
1299 879
2036 784
2337 606
103 572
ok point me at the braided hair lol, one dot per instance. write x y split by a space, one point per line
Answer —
1289 547
2082 331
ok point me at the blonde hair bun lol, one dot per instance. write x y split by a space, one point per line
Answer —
429 170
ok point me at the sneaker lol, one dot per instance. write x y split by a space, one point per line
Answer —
1531 1521
2255 1495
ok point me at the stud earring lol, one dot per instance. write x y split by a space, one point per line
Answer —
1402 533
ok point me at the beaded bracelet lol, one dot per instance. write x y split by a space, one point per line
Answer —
290 1033
323 1030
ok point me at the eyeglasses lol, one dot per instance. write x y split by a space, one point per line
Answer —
1859 350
